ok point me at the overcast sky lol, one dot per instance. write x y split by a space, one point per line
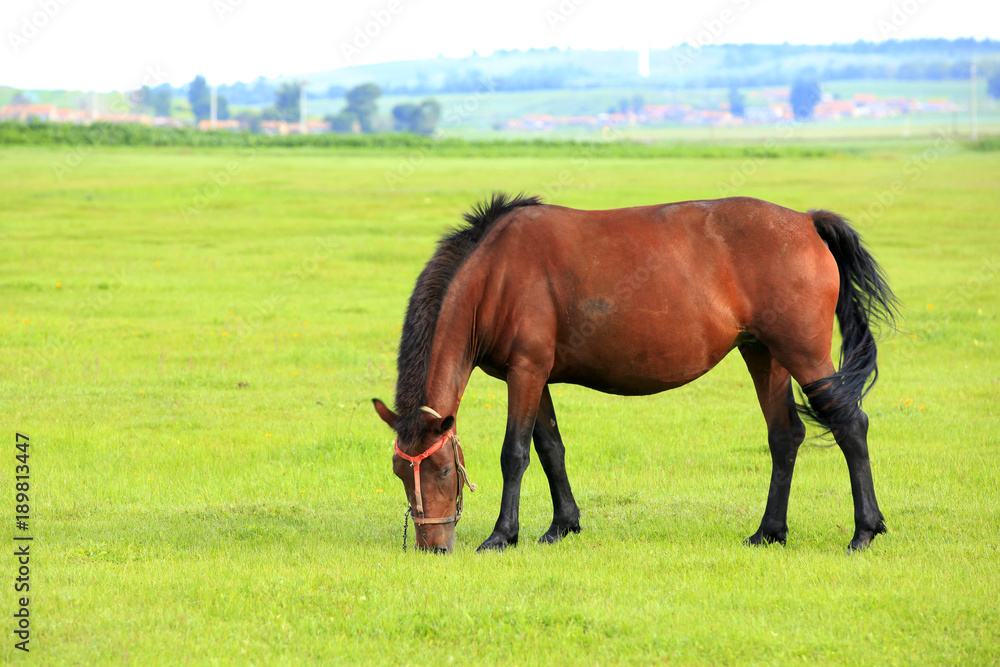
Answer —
121 44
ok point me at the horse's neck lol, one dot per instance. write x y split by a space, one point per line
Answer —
452 358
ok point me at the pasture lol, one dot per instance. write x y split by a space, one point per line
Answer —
191 339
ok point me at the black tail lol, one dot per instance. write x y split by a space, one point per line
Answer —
865 301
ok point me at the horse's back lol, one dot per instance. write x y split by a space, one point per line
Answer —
642 299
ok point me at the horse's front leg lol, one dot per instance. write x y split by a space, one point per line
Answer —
524 389
552 456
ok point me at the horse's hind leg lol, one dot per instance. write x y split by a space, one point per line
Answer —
853 441
849 425
552 454
785 432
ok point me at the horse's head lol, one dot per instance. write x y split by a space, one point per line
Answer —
428 459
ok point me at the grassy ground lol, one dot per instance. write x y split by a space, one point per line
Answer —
191 340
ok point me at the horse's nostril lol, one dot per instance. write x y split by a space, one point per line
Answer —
440 550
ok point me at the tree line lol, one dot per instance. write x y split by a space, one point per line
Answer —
358 115
359 112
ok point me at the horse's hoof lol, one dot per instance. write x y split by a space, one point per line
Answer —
863 537
760 538
497 543
556 532
860 542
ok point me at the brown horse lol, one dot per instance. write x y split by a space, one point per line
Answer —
633 301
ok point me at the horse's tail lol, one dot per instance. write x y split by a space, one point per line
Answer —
865 301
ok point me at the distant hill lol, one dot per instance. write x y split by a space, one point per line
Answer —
686 66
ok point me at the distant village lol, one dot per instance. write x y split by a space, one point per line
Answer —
52 114
776 108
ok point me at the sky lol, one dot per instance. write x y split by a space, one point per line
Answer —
121 45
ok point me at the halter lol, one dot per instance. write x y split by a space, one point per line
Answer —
417 514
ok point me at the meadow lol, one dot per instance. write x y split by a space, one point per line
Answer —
191 338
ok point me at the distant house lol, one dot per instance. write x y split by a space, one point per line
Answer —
617 118
940 105
43 112
136 118
710 117
167 121
232 125
280 127
543 122
835 110
53 114
665 111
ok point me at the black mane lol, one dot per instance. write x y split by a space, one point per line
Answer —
413 363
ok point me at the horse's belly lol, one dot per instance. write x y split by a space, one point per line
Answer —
640 352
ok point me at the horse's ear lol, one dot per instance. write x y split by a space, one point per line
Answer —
447 424
387 415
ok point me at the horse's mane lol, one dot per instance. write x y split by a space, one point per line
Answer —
413 363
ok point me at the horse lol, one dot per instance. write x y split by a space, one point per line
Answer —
633 301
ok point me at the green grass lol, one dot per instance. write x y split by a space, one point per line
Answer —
211 485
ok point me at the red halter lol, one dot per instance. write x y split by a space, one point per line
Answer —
418 513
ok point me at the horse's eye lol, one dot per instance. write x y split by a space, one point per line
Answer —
446 471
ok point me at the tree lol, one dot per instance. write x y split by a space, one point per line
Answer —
993 86
221 108
426 119
402 116
251 119
286 101
142 98
162 99
805 94
417 118
344 122
157 100
737 106
362 102
200 98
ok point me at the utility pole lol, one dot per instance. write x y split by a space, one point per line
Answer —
973 130
214 107
303 126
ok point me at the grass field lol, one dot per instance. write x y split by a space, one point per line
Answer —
191 339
